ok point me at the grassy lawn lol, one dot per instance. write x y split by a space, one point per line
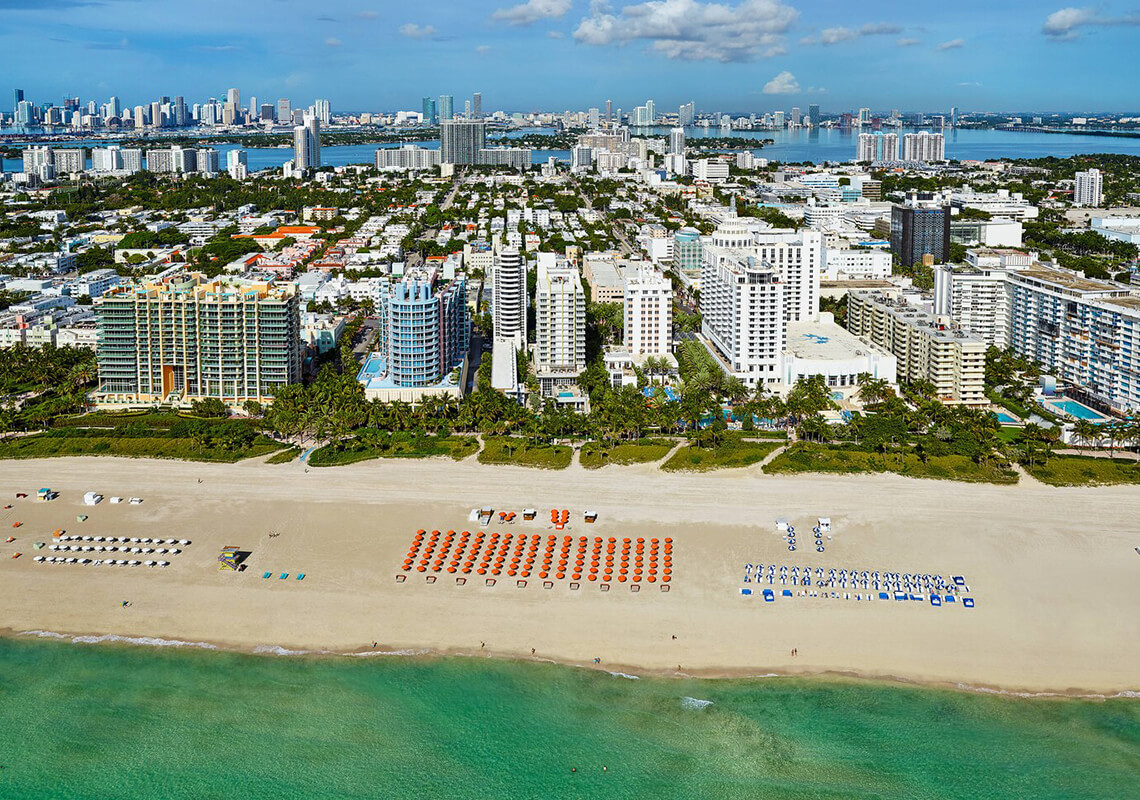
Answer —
508 450
596 454
1086 471
807 457
47 445
730 454
400 445
286 456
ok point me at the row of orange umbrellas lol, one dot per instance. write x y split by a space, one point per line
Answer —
517 556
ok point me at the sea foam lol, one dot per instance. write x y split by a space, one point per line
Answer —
693 704
149 641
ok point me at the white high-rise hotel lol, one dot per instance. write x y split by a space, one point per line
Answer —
753 283
648 313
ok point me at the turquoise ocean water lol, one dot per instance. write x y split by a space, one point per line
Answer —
116 721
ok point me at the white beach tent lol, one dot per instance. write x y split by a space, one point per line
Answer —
825 524
92 498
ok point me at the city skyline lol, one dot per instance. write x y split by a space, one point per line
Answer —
750 55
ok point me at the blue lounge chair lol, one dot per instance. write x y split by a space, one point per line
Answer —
769 596
884 596
284 575
900 595
786 593
301 576
266 575
746 591
959 580
935 600
968 602
950 598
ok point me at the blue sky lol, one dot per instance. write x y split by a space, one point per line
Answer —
736 55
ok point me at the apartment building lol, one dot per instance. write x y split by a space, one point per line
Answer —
927 347
560 324
184 337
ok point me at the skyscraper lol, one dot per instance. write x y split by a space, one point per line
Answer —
560 323
323 111
234 96
254 108
677 141
813 115
19 98
918 232
460 141
1089 188
429 115
924 146
687 114
477 105
510 296
609 111
237 165
307 144
284 110
446 107
650 112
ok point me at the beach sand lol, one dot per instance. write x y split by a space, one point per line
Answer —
1053 571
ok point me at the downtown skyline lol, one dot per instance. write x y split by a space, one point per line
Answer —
752 55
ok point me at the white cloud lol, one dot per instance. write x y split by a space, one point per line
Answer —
555 35
532 11
368 15
694 30
829 36
971 84
1065 24
784 83
483 49
414 31
907 41
953 44
332 41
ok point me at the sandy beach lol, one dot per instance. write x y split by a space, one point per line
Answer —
1054 571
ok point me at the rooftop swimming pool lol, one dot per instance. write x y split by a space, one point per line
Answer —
1075 410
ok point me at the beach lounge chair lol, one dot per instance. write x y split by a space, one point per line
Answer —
284 575
746 592
786 593
267 575
949 599
769 596
968 602
935 600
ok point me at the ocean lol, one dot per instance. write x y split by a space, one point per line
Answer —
124 721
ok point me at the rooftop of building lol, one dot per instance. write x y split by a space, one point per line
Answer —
1068 280
823 340
196 286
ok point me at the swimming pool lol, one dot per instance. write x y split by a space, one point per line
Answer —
1075 410
1005 418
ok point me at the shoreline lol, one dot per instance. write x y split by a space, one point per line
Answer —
1049 587
628 671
